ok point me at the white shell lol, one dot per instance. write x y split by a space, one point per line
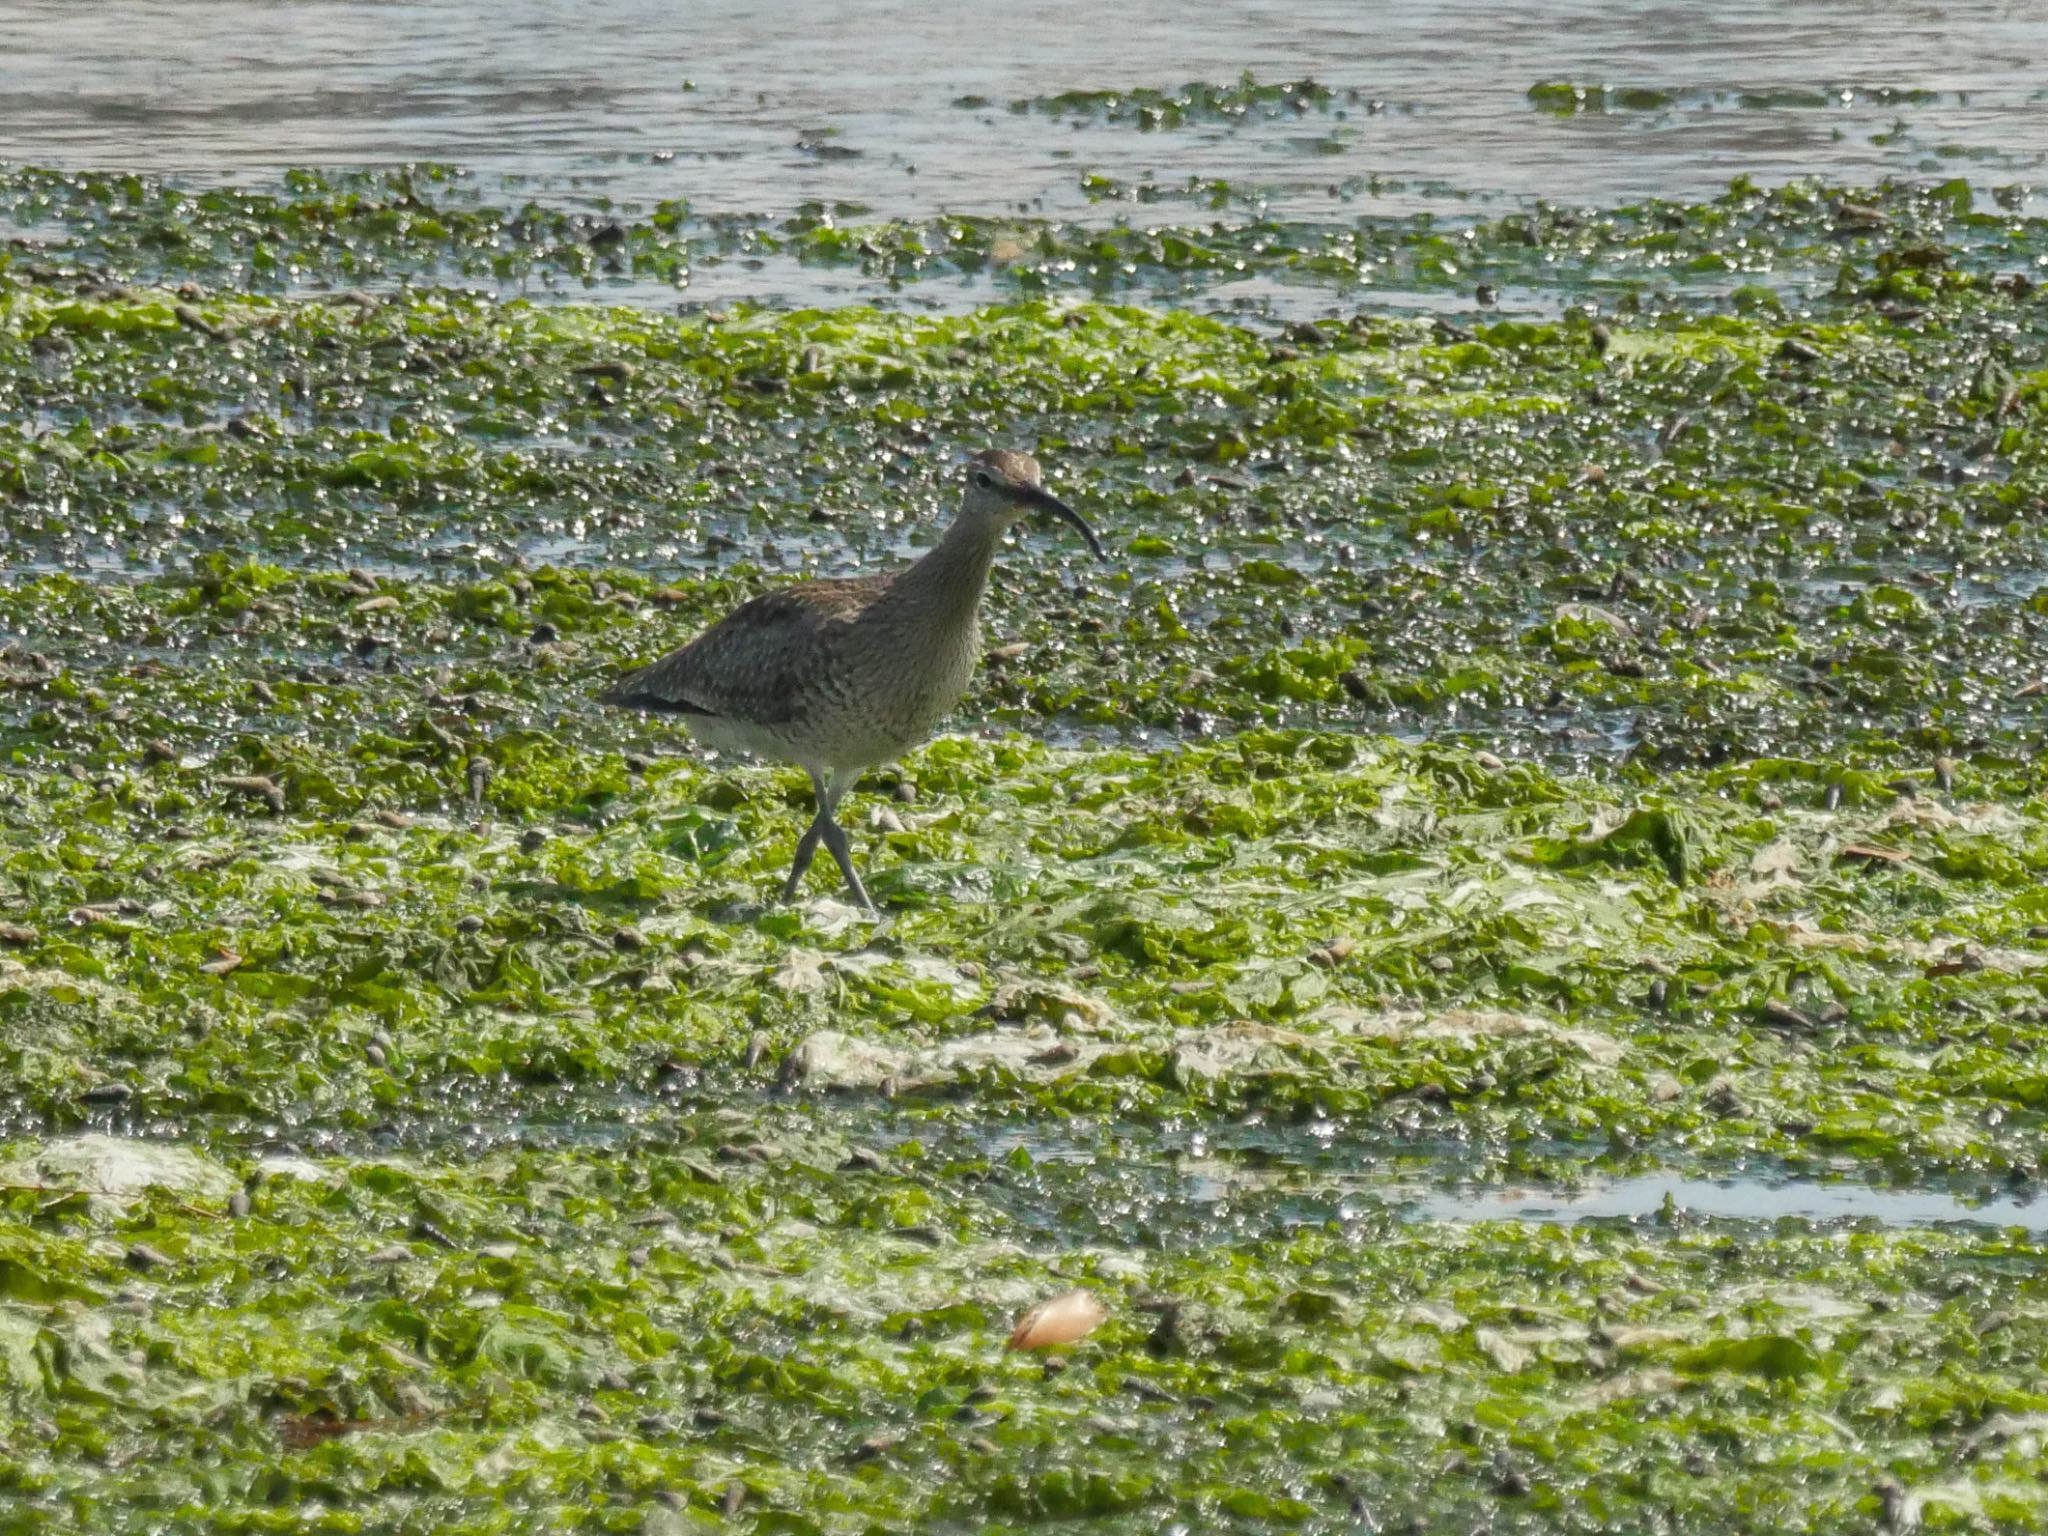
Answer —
1058 1320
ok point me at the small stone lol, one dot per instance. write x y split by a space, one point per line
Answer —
629 939
1334 953
874 1447
142 1256
1785 1015
191 319
256 787
469 923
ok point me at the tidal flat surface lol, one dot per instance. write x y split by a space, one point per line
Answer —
1502 935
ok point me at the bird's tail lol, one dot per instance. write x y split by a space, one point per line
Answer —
636 690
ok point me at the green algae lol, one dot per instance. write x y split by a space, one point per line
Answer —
1596 741
383 1345
1197 103
1377 522
568 925
1565 98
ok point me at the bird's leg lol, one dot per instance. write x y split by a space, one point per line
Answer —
835 835
807 845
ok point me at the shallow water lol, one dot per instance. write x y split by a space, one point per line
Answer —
1735 1199
759 109
1288 1181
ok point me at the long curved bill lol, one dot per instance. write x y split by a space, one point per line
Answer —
1045 501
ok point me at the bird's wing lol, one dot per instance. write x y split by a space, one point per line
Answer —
756 663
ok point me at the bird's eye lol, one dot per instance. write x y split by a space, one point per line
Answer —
981 479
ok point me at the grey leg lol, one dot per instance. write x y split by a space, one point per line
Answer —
807 845
835 837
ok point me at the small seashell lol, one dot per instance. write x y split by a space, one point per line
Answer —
1058 1320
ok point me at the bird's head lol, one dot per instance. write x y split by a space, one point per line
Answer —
1004 487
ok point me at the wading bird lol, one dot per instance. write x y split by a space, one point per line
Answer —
838 676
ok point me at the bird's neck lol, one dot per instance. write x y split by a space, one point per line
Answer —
947 584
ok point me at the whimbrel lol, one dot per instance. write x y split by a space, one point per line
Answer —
838 676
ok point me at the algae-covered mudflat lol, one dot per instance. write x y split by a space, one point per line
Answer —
1502 935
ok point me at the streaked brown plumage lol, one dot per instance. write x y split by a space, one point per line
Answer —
838 676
